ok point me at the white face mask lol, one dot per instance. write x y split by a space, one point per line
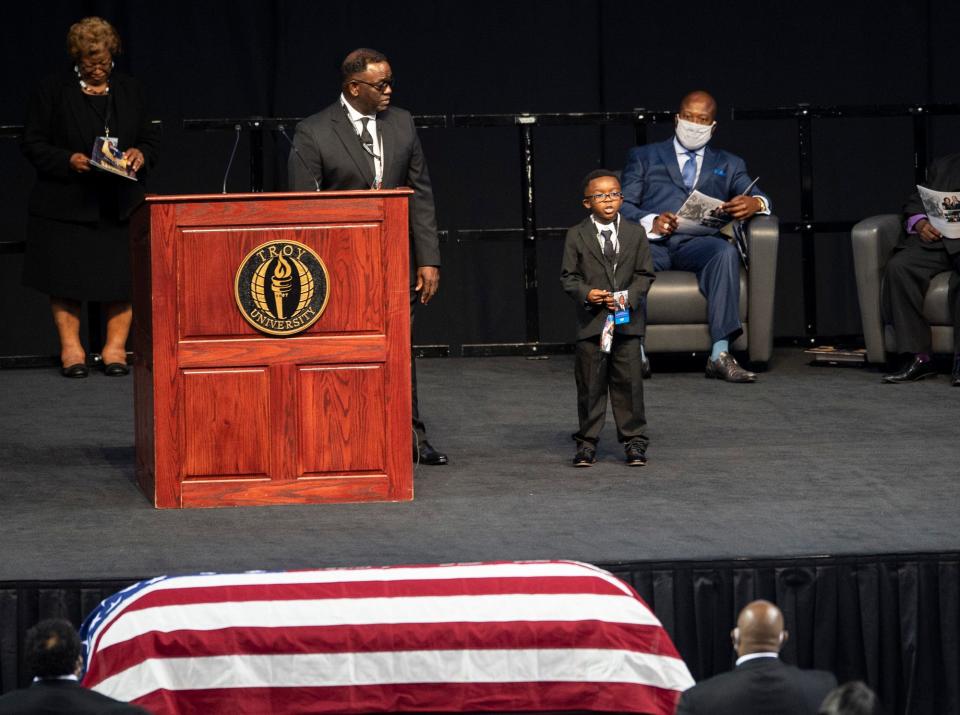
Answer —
693 136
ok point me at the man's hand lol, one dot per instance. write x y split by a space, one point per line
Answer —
665 223
134 159
428 281
742 207
79 162
926 231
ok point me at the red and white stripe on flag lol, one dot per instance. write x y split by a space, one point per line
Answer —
513 636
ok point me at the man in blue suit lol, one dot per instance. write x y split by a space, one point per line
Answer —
657 179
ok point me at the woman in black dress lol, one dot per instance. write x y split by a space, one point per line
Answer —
77 242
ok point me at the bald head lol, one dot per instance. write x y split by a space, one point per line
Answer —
759 629
701 104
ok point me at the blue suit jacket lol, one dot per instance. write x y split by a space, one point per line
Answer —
651 180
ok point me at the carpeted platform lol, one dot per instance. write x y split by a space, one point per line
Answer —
808 461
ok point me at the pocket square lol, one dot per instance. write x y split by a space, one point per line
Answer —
720 172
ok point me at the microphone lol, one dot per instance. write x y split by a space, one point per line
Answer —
283 130
233 153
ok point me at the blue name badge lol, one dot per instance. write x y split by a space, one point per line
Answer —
622 313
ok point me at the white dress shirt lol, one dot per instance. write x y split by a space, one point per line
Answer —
356 119
754 656
612 226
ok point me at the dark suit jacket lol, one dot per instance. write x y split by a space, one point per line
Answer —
943 174
53 131
62 696
331 151
652 182
765 686
584 268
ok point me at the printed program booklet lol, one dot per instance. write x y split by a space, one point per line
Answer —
106 156
701 215
943 210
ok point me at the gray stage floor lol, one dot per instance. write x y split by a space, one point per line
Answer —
807 461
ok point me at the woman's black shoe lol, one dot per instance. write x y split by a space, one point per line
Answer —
75 370
115 369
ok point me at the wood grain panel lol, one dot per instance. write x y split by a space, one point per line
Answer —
208 260
342 419
360 488
227 430
365 207
299 349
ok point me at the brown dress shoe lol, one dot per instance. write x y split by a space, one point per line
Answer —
727 368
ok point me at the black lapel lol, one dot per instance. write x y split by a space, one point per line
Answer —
628 247
74 99
343 128
588 234
388 148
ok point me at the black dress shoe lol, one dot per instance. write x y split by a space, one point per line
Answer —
426 454
75 370
585 457
116 369
636 456
916 369
726 367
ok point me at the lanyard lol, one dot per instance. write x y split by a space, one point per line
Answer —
104 117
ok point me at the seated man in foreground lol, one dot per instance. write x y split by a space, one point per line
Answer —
761 684
53 656
921 254
657 179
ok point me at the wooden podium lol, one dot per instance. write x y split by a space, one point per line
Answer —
230 415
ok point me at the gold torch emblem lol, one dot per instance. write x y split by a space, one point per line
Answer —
282 287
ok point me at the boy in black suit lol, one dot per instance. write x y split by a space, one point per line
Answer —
604 254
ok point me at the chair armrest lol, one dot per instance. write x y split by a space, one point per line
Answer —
873 240
763 240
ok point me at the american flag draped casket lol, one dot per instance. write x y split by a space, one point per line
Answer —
512 636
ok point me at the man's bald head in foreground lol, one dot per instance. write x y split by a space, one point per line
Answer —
759 629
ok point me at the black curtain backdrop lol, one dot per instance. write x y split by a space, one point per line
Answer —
281 58
892 621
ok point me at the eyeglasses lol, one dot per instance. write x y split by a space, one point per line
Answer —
380 86
91 65
612 196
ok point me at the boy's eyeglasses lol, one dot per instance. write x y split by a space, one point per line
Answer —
612 196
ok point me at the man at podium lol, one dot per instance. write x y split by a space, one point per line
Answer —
361 142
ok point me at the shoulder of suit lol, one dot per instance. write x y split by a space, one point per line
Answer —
949 160
723 154
396 111
644 150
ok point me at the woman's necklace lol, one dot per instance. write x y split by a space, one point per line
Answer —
94 90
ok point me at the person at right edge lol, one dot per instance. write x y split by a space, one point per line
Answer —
657 179
921 254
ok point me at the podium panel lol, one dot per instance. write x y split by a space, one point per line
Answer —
304 399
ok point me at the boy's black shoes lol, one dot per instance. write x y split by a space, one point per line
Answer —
636 457
585 457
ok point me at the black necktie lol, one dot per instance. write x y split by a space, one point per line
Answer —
608 250
367 140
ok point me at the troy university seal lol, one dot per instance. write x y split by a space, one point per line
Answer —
282 287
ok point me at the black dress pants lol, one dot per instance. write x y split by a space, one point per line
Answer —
907 278
620 373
